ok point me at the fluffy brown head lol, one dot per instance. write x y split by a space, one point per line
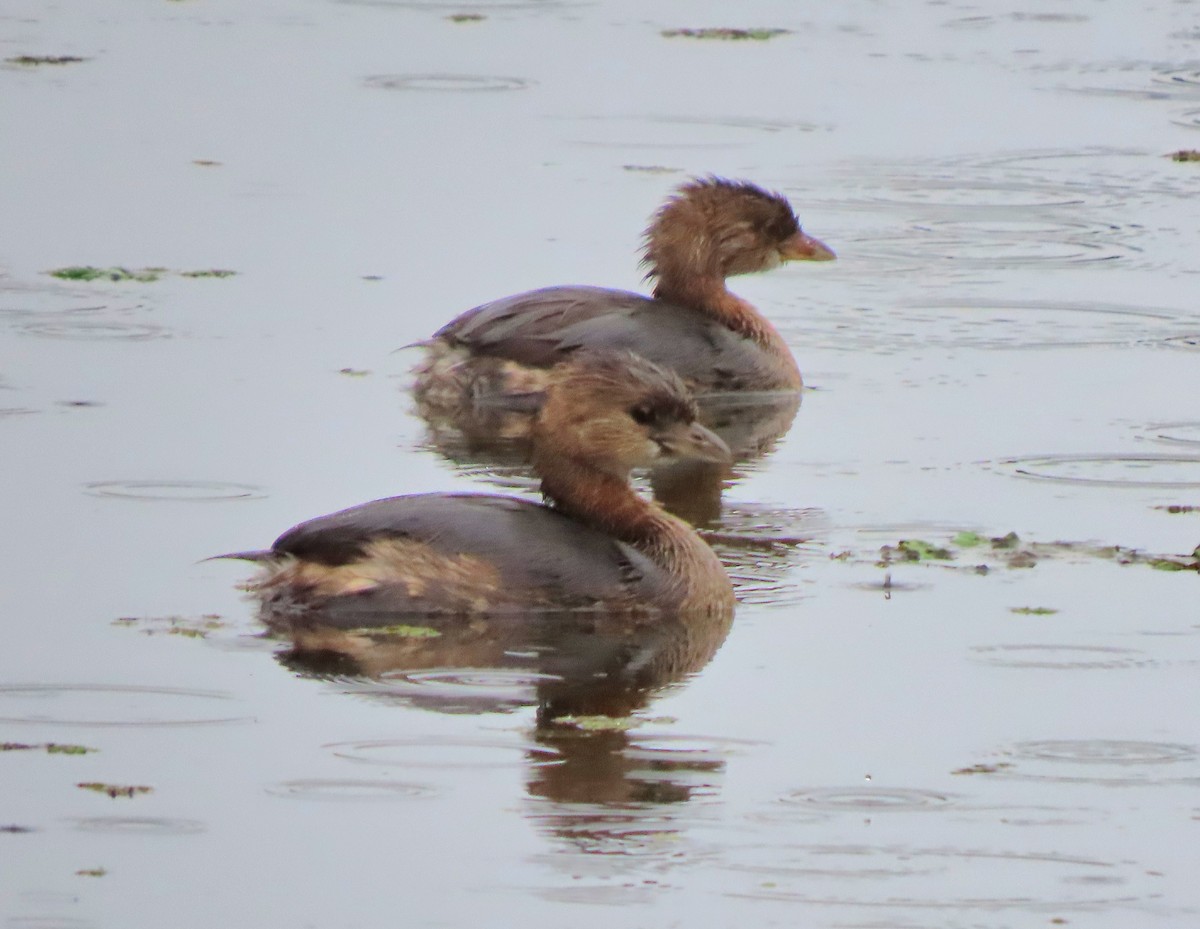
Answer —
713 227
615 411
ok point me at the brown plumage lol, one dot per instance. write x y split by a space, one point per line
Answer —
596 546
710 229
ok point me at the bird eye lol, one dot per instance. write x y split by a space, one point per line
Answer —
642 415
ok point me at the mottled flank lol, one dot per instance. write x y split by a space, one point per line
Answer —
426 579
725 34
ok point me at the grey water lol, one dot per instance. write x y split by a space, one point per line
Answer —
998 734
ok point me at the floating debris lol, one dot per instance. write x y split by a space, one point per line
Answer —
52 748
915 550
1032 610
1178 508
210 272
1186 154
92 872
115 790
55 748
650 169
33 61
90 273
600 723
983 768
466 17
118 274
406 632
1010 551
728 35
190 627
354 372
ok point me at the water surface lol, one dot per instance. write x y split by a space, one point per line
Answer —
1003 736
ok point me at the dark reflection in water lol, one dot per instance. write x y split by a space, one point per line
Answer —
587 674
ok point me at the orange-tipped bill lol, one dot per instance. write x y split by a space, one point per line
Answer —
802 247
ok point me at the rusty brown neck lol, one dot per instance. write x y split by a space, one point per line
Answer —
607 502
600 499
710 296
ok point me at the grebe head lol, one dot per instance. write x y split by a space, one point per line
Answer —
712 227
615 411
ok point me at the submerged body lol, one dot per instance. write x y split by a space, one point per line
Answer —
598 546
710 230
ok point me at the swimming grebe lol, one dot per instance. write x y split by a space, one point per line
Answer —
598 545
709 230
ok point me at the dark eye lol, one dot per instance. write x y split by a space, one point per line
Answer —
642 415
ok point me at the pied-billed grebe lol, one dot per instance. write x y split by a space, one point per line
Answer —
709 230
597 546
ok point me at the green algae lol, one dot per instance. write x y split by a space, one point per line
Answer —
51 748
400 631
188 627
119 274
920 550
209 272
600 723
90 273
984 553
1032 610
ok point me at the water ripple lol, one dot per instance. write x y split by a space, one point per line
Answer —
107 705
190 491
139 825
988 323
446 83
443 752
934 878
1062 657
346 790
868 799
1117 470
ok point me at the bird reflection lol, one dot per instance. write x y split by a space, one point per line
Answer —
490 441
587 675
